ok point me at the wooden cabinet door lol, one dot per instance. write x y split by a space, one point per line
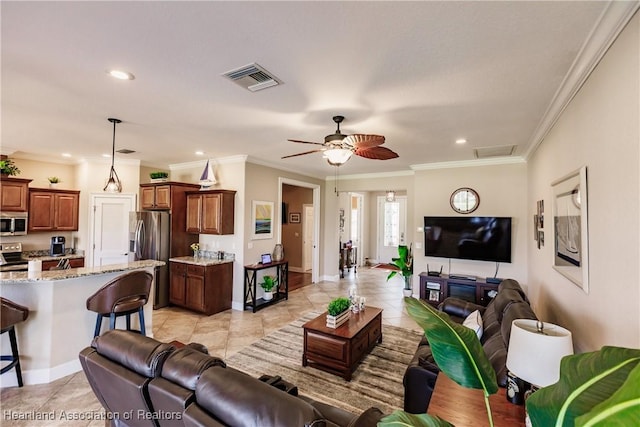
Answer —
194 213
195 288
41 211
14 195
163 197
147 197
66 212
177 284
76 262
211 214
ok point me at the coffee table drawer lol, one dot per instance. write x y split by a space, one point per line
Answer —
360 346
323 345
375 332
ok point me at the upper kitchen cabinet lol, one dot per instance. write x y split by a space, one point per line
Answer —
53 210
14 194
164 196
211 212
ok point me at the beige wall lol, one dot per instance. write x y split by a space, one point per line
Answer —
38 172
502 190
599 129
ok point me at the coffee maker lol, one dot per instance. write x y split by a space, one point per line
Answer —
57 246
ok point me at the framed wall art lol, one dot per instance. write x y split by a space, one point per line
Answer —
262 220
570 227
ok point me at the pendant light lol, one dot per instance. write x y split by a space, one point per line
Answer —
391 196
113 184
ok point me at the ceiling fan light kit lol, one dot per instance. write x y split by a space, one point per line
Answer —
338 148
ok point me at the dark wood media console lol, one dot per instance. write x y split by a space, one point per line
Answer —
434 289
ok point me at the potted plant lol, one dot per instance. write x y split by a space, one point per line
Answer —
404 263
8 168
53 181
158 176
338 311
267 284
597 388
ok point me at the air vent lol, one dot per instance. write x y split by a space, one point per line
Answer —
499 151
252 77
125 151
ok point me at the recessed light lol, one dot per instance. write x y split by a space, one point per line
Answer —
199 153
108 156
66 155
461 141
122 75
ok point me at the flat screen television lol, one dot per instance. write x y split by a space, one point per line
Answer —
470 237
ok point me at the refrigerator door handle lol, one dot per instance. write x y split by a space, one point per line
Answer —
139 242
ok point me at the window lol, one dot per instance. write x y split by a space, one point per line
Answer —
391 223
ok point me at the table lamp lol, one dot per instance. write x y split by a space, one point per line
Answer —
535 351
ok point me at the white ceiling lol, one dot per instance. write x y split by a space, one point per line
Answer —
421 73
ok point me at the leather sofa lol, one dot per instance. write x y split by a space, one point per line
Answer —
510 303
142 382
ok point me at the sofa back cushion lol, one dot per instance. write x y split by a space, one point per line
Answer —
516 310
502 301
236 399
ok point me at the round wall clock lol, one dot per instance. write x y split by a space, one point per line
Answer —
464 200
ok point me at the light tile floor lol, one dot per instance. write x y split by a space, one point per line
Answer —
224 334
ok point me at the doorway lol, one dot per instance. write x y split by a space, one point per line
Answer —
392 227
299 227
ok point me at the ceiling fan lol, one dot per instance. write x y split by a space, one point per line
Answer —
338 148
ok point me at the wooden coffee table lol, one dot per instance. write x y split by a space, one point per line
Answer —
339 350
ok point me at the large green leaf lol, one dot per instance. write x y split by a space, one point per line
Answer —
621 409
400 418
455 348
586 380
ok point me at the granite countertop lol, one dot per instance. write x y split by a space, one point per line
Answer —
44 256
72 273
200 261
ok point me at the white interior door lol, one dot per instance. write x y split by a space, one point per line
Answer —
307 238
356 226
110 228
392 227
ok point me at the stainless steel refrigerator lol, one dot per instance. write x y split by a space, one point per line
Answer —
150 238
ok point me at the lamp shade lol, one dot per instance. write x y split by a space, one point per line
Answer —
535 351
337 156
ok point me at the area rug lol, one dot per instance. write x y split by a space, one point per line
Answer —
386 267
377 381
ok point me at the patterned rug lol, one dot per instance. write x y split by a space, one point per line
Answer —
377 381
386 267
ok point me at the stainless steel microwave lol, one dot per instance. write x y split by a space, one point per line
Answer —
13 223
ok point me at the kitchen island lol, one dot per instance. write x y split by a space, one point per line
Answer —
59 324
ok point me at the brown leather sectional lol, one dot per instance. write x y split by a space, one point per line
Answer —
143 382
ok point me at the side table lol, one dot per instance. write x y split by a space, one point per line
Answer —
251 301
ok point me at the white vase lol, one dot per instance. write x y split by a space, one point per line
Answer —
407 292
53 185
268 295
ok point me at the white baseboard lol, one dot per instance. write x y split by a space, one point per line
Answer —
237 306
41 376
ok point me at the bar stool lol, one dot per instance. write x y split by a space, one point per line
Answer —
11 315
123 296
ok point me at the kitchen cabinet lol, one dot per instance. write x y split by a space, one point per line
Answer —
170 196
14 194
53 210
211 212
205 288
73 263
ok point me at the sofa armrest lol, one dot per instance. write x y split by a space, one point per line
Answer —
459 308
419 381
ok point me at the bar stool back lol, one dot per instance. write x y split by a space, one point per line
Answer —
11 315
123 296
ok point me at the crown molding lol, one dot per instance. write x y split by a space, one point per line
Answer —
470 163
202 162
261 162
372 175
612 21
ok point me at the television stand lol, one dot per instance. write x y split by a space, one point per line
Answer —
434 289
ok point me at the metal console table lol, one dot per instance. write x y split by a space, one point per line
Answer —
251 301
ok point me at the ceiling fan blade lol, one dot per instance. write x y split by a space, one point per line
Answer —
305 142
302 154
377 153
358 140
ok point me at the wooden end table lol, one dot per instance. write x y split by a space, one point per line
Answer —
339 350
465 406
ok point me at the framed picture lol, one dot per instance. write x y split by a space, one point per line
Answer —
262 220
265 258
294 217
570 227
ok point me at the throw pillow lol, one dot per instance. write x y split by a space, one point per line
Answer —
474 322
